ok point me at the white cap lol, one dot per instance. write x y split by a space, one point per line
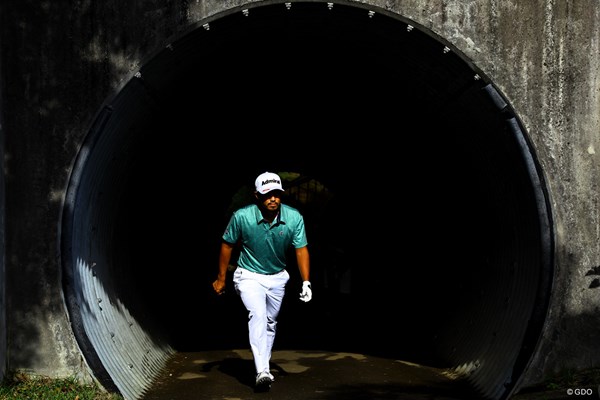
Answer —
268 181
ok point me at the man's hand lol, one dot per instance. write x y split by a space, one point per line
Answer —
306 293
219 286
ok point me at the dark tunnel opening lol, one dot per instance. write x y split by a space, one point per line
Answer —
424 225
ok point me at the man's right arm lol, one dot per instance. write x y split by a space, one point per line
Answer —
224 258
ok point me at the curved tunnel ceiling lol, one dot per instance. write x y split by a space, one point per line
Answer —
425 209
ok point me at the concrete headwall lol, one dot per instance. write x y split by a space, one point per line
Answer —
61 63
3 330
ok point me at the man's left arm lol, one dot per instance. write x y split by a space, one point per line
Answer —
303 260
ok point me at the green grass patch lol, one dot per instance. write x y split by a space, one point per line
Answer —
570 378
21 387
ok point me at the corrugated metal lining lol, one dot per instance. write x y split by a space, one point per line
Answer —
489 334
129 354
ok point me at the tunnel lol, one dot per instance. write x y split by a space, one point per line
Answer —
426 211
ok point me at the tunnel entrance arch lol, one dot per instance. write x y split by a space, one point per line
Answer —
422 155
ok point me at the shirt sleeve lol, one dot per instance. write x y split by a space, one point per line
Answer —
232 231
299 239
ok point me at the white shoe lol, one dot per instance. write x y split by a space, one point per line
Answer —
263 381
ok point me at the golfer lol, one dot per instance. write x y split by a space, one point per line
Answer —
265 231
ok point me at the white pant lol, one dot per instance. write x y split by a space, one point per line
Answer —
262 296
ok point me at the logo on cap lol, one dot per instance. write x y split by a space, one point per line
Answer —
268 181
271 181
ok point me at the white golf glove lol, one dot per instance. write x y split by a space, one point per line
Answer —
306 293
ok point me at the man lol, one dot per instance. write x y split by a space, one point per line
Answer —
265 231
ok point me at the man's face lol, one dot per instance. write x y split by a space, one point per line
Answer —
270 200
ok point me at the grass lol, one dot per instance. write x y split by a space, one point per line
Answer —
574 379
21 387
556 386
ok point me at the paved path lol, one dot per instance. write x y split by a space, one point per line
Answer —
299 375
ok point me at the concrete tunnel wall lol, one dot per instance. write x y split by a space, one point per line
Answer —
141 138
475 182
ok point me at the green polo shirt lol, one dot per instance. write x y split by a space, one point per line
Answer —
264 245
